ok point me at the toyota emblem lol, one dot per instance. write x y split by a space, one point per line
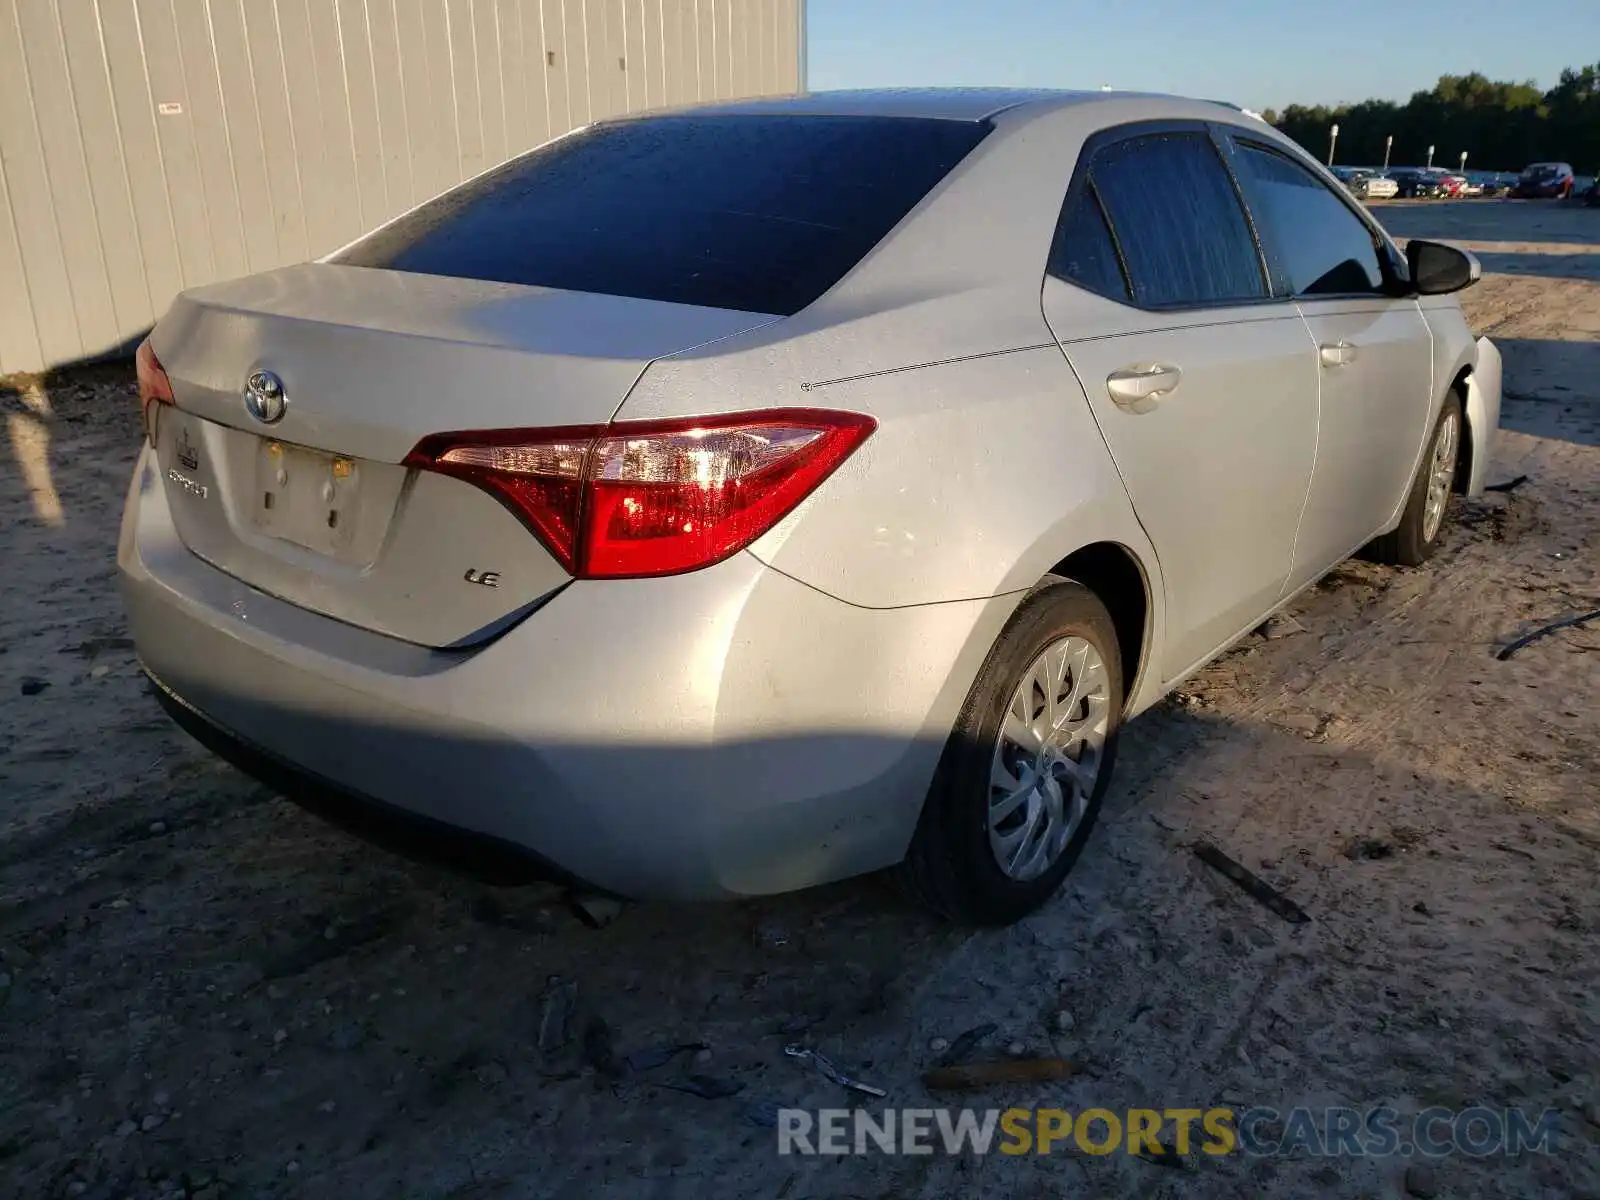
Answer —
264 398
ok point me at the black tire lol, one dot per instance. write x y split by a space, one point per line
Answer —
950 867
1406 545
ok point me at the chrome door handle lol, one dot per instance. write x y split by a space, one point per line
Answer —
1138 389
1336 355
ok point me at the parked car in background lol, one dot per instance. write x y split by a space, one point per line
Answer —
1351 177
1381 187
1491 183
1544 181
601 508
1365 182
1467 186
1451 185
1416 183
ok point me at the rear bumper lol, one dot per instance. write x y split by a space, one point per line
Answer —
408 833
723 733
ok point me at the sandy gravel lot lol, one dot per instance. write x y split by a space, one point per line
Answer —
203 990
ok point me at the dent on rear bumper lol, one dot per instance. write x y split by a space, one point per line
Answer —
727 732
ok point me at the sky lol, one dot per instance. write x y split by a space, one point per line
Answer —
1257 53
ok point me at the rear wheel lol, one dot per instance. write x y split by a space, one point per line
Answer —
1415 539
1027 766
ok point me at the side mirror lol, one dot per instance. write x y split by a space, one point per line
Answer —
1437 268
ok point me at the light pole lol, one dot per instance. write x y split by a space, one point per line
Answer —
1463 162
1333 140
1388 144
1430 158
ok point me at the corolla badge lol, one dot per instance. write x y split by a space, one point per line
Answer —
264 398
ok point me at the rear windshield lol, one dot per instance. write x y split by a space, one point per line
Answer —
758 213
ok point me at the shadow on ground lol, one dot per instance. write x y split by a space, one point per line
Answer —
1542 393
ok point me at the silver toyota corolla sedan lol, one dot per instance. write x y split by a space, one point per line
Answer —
719 502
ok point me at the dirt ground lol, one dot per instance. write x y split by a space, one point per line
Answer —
205 990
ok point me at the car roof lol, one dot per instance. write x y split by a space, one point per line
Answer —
950 104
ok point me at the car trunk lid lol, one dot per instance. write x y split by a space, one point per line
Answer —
316 507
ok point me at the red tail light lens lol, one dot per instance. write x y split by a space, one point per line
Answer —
154 387
654 498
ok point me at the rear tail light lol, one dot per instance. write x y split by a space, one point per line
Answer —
154 387
654 498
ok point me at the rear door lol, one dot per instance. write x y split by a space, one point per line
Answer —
1375 352
1203 385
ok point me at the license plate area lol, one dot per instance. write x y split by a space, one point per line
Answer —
307 497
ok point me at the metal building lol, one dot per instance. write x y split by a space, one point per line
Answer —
147 146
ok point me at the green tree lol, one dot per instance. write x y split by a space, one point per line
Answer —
1501 125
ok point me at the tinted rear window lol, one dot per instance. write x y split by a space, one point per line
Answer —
759 213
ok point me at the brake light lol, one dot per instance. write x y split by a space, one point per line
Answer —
652 498
154 387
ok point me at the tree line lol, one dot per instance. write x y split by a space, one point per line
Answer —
1502 126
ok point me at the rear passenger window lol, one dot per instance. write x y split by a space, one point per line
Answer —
1084 253
1326 249
1177 221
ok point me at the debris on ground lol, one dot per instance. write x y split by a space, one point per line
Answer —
707 1087
1544 631
555 1014
1508 486
969 1077
32 687
571 1035
826 1068
660 1056
1279 625
1368 848
1256 887
958 1050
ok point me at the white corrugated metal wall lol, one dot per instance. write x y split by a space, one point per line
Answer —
151 145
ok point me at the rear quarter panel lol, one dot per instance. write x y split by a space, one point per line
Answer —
983 474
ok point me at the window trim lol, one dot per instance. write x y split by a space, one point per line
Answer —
1396 283
1111 135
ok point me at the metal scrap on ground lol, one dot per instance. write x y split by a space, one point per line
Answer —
1252 883
826 1068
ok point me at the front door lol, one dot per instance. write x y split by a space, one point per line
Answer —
1374 352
